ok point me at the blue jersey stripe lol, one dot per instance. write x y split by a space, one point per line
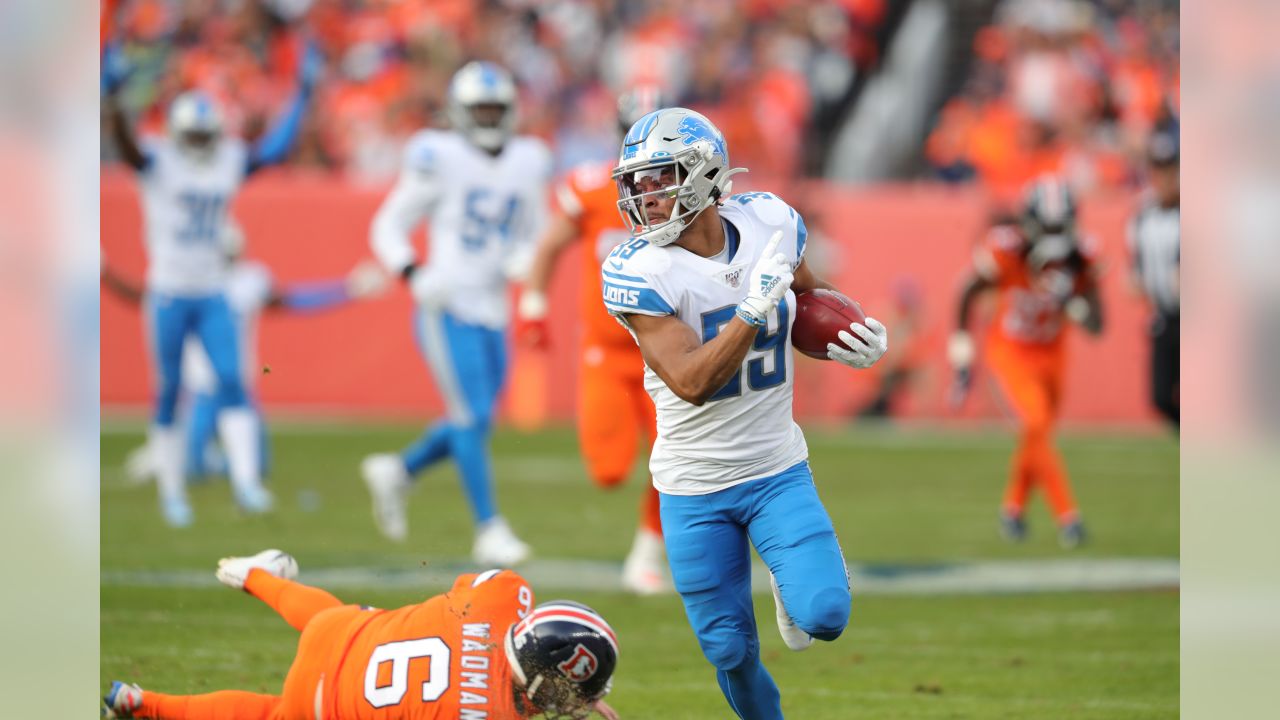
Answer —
802 234
628 278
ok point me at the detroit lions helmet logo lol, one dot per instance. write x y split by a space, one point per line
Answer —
693 129
581 666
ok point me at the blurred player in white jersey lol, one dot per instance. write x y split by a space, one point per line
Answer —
188 180
250 290
707 287
484 190
614 411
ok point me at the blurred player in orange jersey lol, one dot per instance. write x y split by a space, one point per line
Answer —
480 651
614 411
1042 274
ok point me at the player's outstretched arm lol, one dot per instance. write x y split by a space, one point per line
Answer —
960 347
275 145
532 308
366 280
122 134
121 286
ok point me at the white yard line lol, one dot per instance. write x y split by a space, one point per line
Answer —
969 578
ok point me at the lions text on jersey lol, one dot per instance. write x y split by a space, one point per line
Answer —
746 430
185 205
485 211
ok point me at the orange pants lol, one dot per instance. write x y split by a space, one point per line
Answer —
1031 379
323 621
614 413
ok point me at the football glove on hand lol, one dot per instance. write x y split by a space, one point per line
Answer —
367 279
960 353
769 282
871 343
531 320
429 288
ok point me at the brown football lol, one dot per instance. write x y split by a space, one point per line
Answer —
820 316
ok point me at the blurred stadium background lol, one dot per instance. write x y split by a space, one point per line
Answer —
900 128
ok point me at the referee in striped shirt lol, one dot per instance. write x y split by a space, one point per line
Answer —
1155 249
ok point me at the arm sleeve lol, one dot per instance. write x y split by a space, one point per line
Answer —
315 295
411 200
274 146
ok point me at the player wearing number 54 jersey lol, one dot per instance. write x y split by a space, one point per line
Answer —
481 651
484 191
707 288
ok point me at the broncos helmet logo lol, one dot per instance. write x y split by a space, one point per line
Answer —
692 129
581 666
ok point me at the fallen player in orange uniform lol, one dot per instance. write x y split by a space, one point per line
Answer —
481 651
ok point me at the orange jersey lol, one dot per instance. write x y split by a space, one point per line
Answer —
1028 314
442 659
589 197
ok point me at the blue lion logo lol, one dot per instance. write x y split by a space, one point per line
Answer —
693 129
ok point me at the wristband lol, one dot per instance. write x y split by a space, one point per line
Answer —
749 317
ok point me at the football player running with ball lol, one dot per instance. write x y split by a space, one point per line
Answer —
481 650
707 287
485 192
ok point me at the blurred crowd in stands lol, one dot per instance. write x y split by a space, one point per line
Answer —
1067 85
1071 87
761 68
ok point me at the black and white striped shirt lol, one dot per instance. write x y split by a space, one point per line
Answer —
1155 245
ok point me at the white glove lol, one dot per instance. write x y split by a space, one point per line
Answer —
861 353
960 353
518 262
960 350
532 305
429 287
367 279
769 282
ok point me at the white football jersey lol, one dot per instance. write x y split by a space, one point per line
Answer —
746 430
485 212
185 208
248 290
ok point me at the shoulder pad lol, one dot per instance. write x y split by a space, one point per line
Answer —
632 279
766 207
425 150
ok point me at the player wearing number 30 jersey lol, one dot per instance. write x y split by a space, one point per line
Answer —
481 651
707 287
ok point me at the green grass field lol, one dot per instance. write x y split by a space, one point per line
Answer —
896 497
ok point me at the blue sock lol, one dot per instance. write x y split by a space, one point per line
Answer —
470 448
751 691
430 448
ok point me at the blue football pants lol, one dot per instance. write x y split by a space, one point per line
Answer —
706 538
469 364
209 317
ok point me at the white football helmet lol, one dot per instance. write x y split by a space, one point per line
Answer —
482 104
671 153
195 124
